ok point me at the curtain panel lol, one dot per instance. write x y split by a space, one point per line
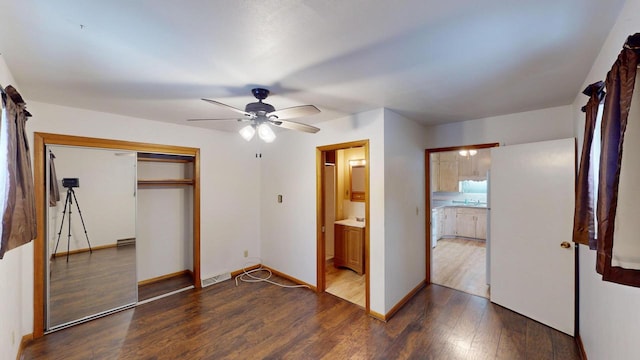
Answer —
54 189
584 215
620 85
18 205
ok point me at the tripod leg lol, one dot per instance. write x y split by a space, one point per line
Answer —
69 228
82 220
64 212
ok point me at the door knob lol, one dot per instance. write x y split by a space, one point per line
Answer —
565 245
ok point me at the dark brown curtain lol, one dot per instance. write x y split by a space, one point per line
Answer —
583 220
54 190
620 84
19 212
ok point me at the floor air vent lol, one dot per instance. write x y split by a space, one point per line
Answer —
215 279
125 242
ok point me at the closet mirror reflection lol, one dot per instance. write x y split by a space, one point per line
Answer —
91 232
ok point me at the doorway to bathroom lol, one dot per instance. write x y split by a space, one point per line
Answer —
458 231
342 218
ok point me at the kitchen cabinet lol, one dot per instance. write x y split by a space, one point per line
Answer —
435 171
471 223
474 167
448 176
349 248
440 221
466 223
481 225
444 175
449 222
483 163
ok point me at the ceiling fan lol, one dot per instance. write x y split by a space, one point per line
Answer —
261 115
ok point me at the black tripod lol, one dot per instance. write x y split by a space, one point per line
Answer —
69 202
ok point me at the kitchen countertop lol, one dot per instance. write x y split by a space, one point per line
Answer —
436 204
351 222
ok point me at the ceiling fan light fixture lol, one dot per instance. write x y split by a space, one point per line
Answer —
266 133
247 132
467 153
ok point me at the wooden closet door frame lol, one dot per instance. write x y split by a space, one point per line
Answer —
41 140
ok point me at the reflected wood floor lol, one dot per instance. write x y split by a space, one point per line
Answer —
345 284
259 321
460 264
91 283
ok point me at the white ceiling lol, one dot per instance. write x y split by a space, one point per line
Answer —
433 61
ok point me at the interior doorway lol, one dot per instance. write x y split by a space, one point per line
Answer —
458 235
342 218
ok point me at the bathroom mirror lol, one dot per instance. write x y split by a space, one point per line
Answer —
357 175
90 241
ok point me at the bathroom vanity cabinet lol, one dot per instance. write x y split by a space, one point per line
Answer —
349 247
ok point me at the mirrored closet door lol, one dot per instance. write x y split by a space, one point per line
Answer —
90 233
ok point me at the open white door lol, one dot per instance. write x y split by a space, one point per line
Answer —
532 201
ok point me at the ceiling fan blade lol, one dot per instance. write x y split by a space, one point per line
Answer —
294 112
226 119
292 125
228 107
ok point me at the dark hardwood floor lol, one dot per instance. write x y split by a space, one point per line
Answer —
262 321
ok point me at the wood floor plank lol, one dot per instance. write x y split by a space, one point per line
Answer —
538 341
460 264
262 321
345 284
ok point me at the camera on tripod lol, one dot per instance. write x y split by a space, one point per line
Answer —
71 183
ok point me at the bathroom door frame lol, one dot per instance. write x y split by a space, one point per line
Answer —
320 218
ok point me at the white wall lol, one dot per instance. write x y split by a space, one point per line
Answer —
397 240
531 126
227 174
16 279
164 236
164 219
288 229
609 320
228 196
404 193
105 197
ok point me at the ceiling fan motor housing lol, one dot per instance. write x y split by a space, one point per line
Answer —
258 107
260 93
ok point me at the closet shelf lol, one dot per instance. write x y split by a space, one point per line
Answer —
156 182
141 159
150 157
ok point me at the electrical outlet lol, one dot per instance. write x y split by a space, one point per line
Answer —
246 253
13 338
